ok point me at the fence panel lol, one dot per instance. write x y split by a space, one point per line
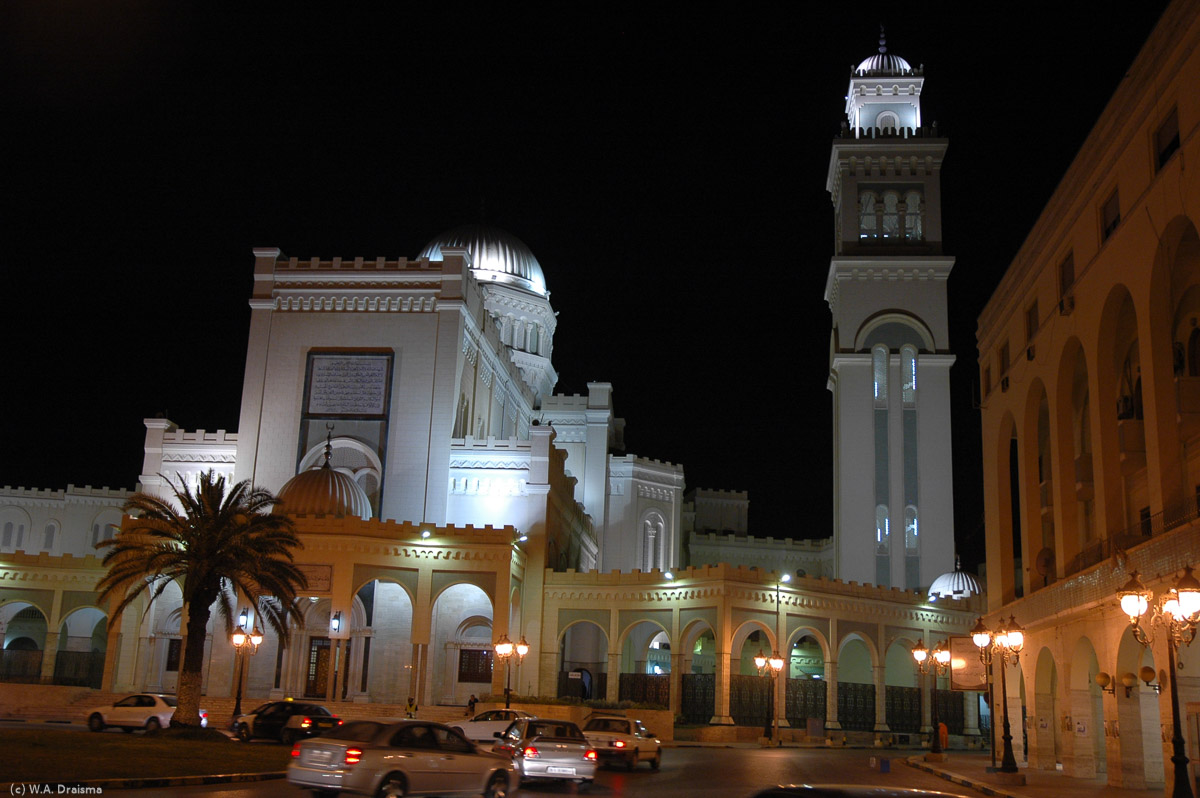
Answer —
699 697
24 667
645 688
856 706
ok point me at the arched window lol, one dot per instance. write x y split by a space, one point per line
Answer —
882 530
908 367
653 528
867 227
7 540
887 120
48 540
913 228
96 536
911 539
879 365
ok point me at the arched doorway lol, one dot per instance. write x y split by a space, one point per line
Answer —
24 638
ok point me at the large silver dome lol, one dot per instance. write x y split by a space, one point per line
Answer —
496 256
958 584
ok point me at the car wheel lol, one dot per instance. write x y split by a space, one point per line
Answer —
497 786
127 729
153 725
243 732
393 786
656 762
96 723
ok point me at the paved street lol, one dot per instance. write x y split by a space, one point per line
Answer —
686 773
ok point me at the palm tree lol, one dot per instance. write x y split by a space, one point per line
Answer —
217 545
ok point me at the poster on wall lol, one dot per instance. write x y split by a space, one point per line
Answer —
966 670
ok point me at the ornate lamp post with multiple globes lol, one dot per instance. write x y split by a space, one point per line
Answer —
243 641
504 651
1005 642
1177 612
770 666
939 663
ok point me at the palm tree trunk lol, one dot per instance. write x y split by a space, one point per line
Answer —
191 672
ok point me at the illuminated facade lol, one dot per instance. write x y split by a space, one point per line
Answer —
1089 355
475 503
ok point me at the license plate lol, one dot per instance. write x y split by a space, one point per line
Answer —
561 771
318 757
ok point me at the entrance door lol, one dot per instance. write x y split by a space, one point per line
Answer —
318 667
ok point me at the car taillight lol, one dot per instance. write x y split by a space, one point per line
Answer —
589 755
340 721
304 724
529 752
353 756
296 750
617 743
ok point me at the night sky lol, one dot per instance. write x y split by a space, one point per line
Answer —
667 170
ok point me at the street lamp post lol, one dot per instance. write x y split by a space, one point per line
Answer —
939 663
505 650
1006 642
243 641
1177 611
770 666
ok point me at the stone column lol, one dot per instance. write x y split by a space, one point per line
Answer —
879 672
676 701
831 696
721 716
613 690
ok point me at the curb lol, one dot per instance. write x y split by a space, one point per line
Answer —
18 788
987 789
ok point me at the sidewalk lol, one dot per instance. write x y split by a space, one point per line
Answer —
971 770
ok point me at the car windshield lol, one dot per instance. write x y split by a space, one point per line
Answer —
607 725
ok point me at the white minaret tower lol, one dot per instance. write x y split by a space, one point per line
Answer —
889 368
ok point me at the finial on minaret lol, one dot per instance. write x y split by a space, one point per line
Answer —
328 445
882 39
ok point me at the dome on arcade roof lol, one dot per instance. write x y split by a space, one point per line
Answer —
496 256
883 62
323 491
958 584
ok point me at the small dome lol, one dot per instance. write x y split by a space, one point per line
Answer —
958 584
323 491
883 63
496 256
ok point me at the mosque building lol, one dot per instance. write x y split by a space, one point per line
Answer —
404 412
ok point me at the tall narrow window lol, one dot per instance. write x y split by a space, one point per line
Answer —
879 364
866 216
48 540
914 230
891 215
1066 274
908 360
882 530
7 540
911 539
1110 215
1166 138
1004 358
1031 321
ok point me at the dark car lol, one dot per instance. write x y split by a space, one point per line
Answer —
286 721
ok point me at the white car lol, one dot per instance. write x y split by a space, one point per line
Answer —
404 758
147 711
621 739
486 725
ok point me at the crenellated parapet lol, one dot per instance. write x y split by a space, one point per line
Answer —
74 493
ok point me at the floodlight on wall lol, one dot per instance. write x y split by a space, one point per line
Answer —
335 623
243 617
668 575
1106 683
425 533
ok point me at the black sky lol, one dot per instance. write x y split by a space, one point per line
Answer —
667 169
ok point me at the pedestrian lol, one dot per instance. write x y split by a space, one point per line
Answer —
471 706
410 709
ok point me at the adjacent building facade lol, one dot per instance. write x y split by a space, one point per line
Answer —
1089 356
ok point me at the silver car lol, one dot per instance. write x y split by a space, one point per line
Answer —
147 711
399 758
484 726
542 748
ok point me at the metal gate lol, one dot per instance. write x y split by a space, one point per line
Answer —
903 708
645 688
805 699
856 706
749 699
698 704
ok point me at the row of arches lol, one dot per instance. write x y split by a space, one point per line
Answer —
1100 451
